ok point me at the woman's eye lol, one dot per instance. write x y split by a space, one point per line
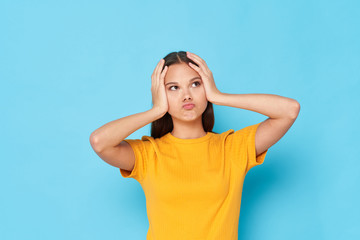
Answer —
198 83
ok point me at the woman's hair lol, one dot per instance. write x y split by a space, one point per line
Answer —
163 125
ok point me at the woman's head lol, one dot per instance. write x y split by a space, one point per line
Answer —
183 85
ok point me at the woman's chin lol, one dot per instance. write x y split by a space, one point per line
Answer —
190 116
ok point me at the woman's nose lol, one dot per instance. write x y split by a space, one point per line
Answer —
186 94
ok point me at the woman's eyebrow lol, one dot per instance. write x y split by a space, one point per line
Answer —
192 79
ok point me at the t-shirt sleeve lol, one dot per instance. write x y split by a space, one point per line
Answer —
141 150
243 142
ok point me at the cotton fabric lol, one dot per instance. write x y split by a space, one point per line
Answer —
193 187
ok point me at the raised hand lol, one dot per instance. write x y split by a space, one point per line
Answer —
158 91
206 76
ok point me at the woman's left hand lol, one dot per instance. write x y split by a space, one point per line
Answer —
205 74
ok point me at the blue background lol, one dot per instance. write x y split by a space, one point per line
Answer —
68 67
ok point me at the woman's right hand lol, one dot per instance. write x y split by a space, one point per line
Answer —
158 91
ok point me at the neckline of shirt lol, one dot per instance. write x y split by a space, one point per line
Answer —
190 140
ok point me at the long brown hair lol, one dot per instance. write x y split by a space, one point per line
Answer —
163 125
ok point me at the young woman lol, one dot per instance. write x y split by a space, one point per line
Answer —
192 177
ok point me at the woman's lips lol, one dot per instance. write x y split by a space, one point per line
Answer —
189 106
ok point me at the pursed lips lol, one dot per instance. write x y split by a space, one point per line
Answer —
188 106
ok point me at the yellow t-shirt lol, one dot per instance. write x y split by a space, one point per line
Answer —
193 187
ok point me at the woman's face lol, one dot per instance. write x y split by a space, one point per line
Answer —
184 85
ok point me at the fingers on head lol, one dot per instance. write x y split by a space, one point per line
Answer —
159 67
158 73
164 70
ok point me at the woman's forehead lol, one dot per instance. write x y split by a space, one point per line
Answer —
180 73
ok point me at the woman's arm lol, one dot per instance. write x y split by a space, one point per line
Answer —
273 106
282 113
114 132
